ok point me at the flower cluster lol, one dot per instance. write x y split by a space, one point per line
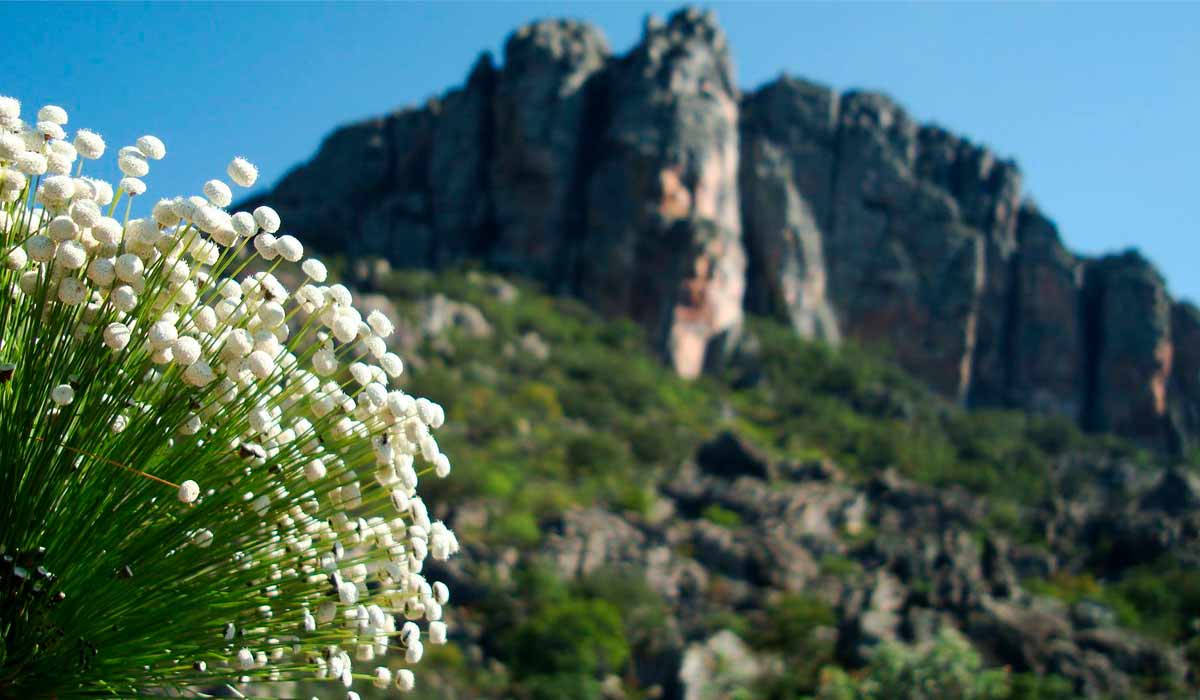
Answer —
221 471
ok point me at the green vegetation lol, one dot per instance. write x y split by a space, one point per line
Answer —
599 421
948 670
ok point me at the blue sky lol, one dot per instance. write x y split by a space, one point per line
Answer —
1098 103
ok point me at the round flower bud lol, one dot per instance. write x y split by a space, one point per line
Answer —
57 190
71 255
245 658
133 165
52 113
151 147
264 243
124 298
314 269
437 632
31 163
50 130
129 268
108 231
162 334
218 193
199 373
62 394
103 190
405 680
62 228
380 323
71 291
414 652
289 248
187 350
164 213
57 163
244 224
242 172
383 677
132 186
260 364
267 219
11 146
85 212
10 108
116 336
102 272
314 470
16 259
40 248
202 539
89 144
189 491
63 149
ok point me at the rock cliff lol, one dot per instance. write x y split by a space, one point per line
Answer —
650 186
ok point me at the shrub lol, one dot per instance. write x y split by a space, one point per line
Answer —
187 447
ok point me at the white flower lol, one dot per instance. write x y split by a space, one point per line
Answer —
437 632
261 364
116 336
50 130
245 657
187 350
267 219
85 213
314 269
289 248
62 394
133 164
202 538
244 224
383 677
264 243
124 298
89 144
40 248
11 146
151 147
129 267
405 680
414 652
10 108
103 190
32 164
218 193
189 491
132 186
16 259
242 172
72 292
62 228
52 113
71 255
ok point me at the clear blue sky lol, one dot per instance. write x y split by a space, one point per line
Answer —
1099 104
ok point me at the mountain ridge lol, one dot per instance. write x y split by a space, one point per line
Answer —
650 186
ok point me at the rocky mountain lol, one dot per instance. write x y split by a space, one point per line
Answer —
650 186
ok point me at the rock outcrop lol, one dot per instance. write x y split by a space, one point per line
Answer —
651 187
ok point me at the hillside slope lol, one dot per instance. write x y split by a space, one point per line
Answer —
632 534
651 187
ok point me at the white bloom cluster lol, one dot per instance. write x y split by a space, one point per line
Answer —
293 388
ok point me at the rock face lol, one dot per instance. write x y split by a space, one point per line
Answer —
650 186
